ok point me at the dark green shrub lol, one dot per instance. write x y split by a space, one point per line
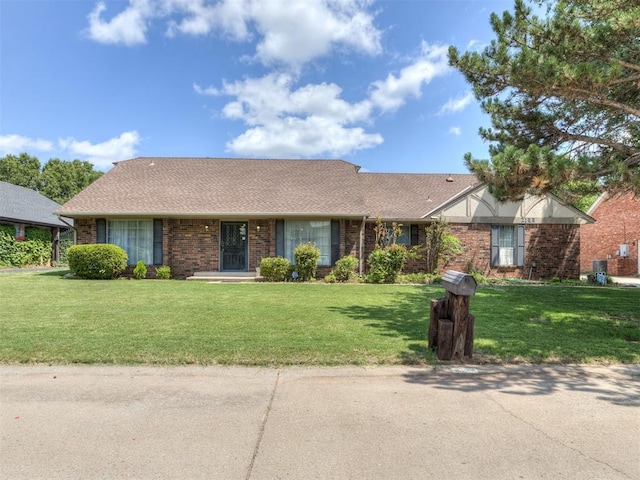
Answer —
307 257
385 264
8 229
140 271
66 242
345 269
37 234
275 269
98 262
163 272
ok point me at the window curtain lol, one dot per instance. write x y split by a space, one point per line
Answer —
135 237
317 233
507 243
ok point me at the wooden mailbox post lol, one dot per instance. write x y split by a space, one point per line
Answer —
450 324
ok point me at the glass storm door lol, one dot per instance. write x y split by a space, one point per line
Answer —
233 247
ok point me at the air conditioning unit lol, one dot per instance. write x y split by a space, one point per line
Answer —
624 250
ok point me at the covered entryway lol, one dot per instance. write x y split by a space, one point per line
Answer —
233 247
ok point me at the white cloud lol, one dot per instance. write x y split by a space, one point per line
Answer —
128 27
283 121
15 144
391 93
296 32
200 17
455 131
102 155
456 104
290 33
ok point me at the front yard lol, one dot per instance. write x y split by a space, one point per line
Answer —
48 319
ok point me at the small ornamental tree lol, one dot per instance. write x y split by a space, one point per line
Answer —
440 246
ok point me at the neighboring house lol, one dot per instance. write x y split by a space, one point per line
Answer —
23 207
614 237
210 214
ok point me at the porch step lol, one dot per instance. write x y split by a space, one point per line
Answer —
226 277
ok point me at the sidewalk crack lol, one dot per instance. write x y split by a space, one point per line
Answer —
263 426
554 439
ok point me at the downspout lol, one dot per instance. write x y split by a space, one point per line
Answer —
361 247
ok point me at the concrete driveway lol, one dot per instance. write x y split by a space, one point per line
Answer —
451 422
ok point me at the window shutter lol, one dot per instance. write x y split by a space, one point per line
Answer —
101 230
335 241
280 238
157 241
495 245
520 245
414 235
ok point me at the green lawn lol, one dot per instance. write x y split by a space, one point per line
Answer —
48 319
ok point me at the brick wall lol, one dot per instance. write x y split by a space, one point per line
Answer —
617 222
85 230
191 245
555 249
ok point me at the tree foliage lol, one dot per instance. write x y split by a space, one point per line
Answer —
563 94
61 180
22 170
58 180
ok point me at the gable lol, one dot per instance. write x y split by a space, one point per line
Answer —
480 206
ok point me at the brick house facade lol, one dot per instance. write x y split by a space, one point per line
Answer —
189 226
617 223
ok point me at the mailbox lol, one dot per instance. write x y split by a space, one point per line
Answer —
459 283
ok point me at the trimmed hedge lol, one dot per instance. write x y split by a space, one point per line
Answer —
275 269
102 261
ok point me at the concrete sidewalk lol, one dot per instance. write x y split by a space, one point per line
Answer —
453 422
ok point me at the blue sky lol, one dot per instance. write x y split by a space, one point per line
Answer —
364 81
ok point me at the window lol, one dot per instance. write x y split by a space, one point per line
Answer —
409 236
317 233
20 235
135 237
507 245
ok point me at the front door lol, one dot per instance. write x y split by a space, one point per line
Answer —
233 247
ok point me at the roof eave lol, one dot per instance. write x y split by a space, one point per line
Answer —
358 215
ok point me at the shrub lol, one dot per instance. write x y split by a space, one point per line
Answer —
307 257
34 250
163 272
385 264
345 269
98 262
331 278
275 269
140 271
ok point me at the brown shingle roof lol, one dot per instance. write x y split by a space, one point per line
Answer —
248 187
411 196
215 186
